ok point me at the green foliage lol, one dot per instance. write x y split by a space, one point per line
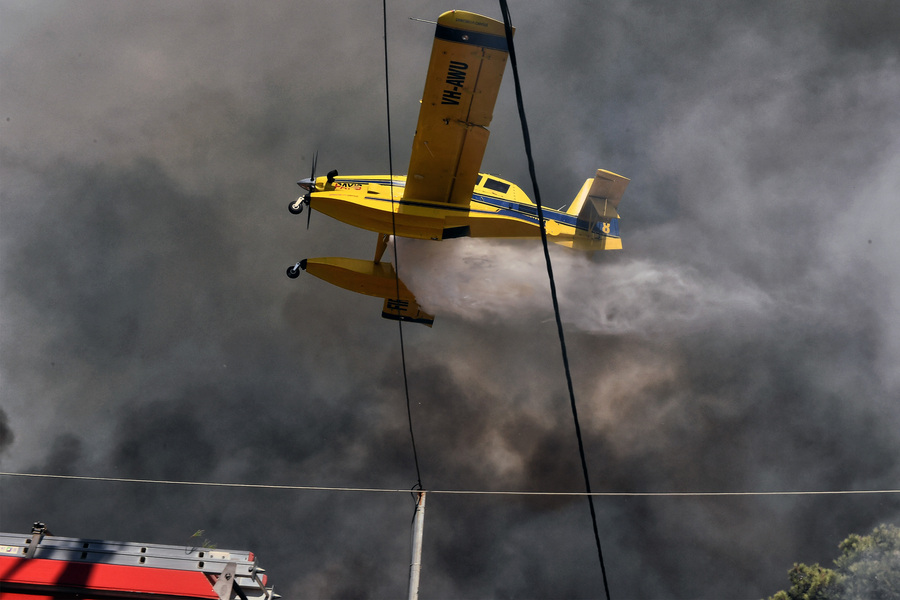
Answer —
871 565
811 583
868 569
206 543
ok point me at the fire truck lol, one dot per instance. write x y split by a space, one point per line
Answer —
42 566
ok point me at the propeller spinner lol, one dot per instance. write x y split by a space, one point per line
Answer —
296 207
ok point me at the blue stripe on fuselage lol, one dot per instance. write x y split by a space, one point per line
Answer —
527 212
517 210
353 180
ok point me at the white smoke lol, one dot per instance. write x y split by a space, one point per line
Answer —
479 280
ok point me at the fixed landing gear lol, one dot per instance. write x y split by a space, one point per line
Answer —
296 207
294 270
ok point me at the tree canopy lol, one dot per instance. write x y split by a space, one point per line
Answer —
867 569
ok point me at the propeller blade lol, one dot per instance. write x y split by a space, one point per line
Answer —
312 176
310 186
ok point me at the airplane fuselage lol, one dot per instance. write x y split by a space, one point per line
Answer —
498 208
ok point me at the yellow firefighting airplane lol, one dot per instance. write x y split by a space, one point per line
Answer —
444 196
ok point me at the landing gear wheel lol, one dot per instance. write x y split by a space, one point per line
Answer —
293 271
295 207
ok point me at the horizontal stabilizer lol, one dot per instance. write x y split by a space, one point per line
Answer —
372 279
596 207
603 192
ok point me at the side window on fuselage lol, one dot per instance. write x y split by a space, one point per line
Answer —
495 185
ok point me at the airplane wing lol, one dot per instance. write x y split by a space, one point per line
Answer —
467 63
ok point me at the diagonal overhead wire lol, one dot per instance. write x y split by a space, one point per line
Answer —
504 8
387 96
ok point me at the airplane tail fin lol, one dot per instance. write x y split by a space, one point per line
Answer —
596 207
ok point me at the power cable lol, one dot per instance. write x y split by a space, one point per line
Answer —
504 9
319 488
387 96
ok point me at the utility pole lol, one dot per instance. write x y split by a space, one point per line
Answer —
415 567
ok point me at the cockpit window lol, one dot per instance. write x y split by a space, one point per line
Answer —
494 184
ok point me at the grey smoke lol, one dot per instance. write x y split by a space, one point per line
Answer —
746 338
6 433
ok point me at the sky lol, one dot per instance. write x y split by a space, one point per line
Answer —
746 339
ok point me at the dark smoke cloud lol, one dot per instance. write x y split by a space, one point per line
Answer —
745 339
6 433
